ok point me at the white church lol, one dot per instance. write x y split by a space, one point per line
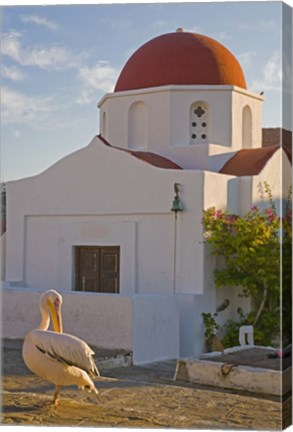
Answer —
116 227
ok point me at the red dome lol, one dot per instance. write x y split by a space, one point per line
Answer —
180 59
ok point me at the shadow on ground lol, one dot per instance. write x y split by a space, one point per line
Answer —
144 397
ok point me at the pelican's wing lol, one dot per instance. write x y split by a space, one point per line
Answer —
65 348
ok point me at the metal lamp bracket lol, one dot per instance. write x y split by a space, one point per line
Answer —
177 204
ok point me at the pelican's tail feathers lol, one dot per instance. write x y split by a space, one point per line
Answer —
94 372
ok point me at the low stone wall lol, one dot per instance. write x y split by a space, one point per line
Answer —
147 325
256 377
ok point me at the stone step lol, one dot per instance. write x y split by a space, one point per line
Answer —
105 359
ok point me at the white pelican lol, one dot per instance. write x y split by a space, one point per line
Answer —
60 358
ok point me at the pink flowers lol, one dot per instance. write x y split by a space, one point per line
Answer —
271 215
231 218
218 214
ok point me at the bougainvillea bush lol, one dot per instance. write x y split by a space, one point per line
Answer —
257 255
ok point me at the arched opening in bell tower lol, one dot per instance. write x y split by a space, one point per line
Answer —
246 127
138 125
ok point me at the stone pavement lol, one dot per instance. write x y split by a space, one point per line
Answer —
134 396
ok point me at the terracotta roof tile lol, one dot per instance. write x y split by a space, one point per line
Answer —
148 157
180 58
248 162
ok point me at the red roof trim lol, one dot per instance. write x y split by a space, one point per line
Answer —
148 157
248 162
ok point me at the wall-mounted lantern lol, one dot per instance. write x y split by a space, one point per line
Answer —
177 204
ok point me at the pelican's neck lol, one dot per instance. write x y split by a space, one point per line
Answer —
45 321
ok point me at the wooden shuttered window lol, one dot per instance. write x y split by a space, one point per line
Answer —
97 268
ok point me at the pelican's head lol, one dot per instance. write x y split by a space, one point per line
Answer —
51 300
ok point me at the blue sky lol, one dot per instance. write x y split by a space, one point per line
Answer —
58 62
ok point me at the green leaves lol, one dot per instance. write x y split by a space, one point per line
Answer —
211 325
251 249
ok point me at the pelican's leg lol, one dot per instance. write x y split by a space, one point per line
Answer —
56 400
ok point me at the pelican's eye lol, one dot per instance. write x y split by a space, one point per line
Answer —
57 303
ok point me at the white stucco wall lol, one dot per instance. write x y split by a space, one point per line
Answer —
238 194
118 106
244 192
54 237
192 341
101 320
146 325
216 190
155 328
103 196
168 120
240 100
278 174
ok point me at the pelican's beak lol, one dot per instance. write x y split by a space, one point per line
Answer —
55 311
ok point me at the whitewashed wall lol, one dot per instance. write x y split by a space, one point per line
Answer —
168 130
103 196
103 321
155 328
240 100
79 201
278 174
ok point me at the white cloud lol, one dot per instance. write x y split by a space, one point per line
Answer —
272 75
272 70
260 25
38 112
86 97
22 109
11 46
40 21
17 133
25 109
54 57
287 73
246 59
162 26
194 29
223 35
102 77
12 73
117 24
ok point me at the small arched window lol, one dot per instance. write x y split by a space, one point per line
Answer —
246 127
138 125
198 123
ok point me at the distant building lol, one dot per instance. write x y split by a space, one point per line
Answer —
100 226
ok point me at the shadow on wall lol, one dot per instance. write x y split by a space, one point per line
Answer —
3 254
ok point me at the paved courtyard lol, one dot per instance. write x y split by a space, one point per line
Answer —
131 397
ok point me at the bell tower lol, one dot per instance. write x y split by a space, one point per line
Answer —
183 96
